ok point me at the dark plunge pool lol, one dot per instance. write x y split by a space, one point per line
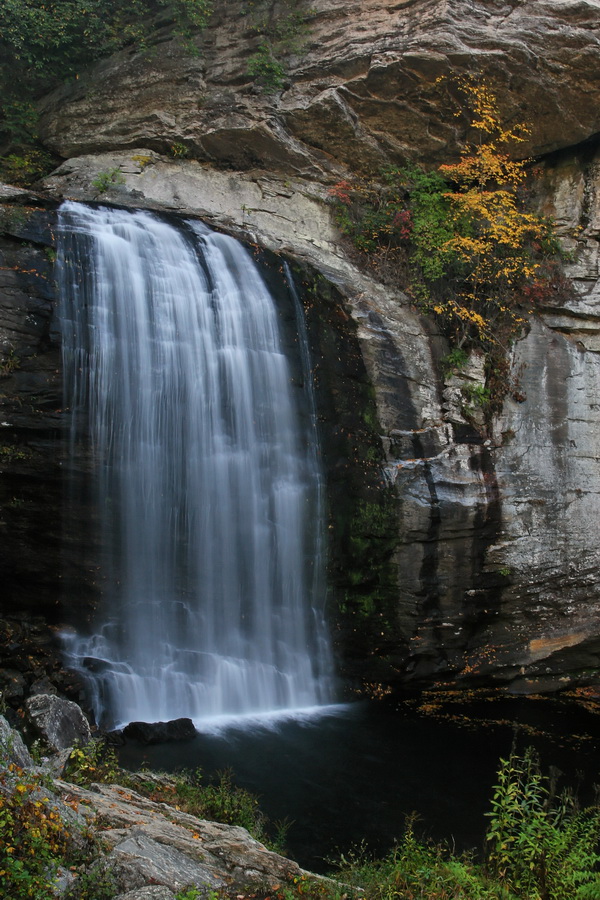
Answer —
354 774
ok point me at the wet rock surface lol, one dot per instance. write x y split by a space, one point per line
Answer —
159 732
495 560
30 400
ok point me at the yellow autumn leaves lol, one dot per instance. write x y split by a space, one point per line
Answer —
460 239
496 249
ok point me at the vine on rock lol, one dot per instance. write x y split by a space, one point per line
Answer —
282 29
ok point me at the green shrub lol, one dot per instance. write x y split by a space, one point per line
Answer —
92 882
26 167
33 838
418 869
282 33
221 801
476 395
192 15
454 361
191 893
95 761
9 363
104 180
459 239
541 845
218 799
268 71
178 150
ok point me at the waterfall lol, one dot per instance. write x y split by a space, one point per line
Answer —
205 469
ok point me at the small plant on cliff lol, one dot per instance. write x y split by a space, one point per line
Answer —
95 761
104 180
460 239
9 363
268 71
178 150
454 361
11 453
280 35
193 893
92 882
192 15
26 167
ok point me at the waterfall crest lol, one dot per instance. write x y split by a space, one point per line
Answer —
206 476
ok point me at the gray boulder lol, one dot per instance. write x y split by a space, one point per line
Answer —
60 722
148 892
150 843
140 860
12 748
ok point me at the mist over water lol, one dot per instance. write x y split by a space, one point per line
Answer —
206 475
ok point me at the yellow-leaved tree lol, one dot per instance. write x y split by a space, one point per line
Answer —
464 244
500 254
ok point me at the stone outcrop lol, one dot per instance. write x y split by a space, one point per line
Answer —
361 89
30 402
143 849
152 843
12 747
495 555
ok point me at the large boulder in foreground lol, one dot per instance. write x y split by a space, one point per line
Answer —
61 723
152 844
146 850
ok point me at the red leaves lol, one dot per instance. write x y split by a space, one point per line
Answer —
341 192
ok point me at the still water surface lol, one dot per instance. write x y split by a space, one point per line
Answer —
354 774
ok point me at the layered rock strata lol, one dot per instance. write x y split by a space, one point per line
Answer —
362 87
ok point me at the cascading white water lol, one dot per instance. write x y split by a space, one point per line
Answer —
207 477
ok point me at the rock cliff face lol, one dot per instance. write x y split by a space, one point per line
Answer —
495 555
361 89
30 401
